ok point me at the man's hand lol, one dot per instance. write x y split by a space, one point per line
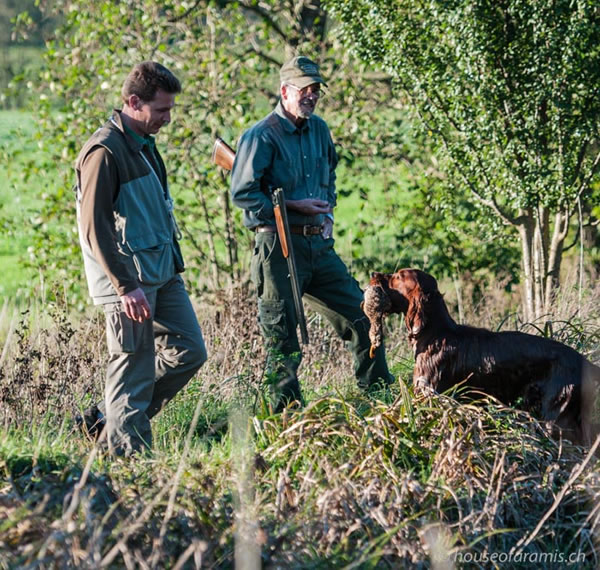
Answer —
309 206
327 228
136 305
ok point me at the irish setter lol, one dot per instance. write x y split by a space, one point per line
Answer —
550 379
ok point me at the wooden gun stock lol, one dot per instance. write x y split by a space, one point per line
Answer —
223 155
285 239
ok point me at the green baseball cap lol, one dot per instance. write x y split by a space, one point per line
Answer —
300 72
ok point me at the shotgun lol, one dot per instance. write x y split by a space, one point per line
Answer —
223 155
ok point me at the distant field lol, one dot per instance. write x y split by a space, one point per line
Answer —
19 200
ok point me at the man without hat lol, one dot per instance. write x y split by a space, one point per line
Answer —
132 260
291 148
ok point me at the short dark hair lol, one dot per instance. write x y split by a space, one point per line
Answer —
146 78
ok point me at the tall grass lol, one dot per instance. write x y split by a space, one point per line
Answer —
351 481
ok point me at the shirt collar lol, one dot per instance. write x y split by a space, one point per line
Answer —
148 140
138 140
288 125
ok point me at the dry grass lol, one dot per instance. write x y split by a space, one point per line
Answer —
386 481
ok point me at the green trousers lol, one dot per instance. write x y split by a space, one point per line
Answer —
330 289
148 363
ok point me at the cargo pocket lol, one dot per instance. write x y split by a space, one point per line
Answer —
119 330
267 246
256 271
271 313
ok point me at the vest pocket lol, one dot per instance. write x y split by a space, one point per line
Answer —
154 265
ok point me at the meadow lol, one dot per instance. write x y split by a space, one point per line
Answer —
381 480
19 200
353 480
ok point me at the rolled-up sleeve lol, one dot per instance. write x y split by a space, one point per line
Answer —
253 157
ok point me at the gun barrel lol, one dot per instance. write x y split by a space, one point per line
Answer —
223 155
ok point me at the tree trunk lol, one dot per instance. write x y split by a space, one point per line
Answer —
210 231
538 271
541 258
459 301
526 234
559 234
230 241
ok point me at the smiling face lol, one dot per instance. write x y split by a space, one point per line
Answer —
300 103
148 117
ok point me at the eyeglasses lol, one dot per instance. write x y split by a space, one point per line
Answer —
308 91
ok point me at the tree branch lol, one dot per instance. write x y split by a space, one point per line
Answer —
185 14
490 203
266 17
586 183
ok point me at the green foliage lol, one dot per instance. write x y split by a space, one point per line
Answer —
24 15
401 218
509 88
228 55
508 91
22 32
17 63
20 204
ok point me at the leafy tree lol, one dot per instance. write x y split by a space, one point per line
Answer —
19 51
413 225
510 91
228 55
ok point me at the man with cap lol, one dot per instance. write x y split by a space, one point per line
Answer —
291 148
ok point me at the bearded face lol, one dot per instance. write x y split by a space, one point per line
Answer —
300 103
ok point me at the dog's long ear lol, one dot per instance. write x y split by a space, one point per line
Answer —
415 316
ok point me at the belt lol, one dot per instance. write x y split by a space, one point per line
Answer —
294 229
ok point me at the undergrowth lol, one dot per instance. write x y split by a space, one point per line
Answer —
385 480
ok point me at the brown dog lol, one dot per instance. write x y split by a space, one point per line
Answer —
552 380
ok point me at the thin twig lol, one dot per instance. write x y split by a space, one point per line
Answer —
526 540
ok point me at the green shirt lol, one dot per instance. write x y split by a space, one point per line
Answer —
275 153
148 147
147 140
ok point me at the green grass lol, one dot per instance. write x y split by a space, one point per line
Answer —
20 199
385 481
347 482
351 481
